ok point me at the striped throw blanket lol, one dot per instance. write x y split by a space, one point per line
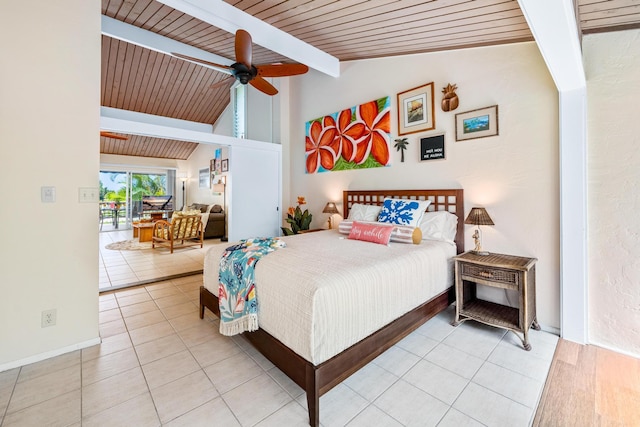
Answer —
237 290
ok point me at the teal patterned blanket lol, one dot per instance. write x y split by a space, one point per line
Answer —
237 290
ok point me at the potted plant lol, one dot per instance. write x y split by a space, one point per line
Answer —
298 219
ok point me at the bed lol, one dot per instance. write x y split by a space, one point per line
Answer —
305 335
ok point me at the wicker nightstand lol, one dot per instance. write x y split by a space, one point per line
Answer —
498 271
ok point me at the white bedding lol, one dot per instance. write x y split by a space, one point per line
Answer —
323 292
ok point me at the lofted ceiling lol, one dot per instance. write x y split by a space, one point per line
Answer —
143 80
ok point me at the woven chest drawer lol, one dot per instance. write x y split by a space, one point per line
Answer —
509 278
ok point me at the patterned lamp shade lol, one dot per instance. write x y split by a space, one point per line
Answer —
478 216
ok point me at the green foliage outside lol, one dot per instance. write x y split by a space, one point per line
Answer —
141 185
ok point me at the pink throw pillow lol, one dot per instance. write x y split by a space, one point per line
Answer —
371 232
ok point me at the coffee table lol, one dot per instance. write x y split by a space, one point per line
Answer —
143 231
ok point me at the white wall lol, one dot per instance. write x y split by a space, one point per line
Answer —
49 116
612 64
260 114
200 159
514 175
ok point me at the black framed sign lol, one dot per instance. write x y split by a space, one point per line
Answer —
432 147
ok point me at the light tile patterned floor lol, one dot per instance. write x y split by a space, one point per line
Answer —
159 364
118 269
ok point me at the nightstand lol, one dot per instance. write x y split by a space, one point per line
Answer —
497 271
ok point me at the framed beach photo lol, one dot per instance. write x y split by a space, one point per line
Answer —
478 123
416 110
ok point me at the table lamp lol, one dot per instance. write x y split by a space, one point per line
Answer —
478 217
331 209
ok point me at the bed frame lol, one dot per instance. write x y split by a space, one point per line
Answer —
316 380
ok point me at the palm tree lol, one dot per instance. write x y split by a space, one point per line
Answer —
401 145
147 185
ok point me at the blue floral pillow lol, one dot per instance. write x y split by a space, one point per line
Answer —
403 211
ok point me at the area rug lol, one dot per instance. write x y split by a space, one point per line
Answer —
128 245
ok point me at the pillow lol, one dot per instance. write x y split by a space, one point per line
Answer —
439 225
403 211
216 209
400 233
360 212
406 234
368 232
186 213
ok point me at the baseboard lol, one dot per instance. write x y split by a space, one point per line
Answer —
551 329
149 281
615 350
49 354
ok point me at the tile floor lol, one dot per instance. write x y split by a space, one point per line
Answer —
126 268
159 364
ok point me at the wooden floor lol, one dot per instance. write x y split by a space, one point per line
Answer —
590 386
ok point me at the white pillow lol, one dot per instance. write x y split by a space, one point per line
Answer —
439 225
360 212
403 211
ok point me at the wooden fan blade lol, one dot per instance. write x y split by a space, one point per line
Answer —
263 86
243 48
222 82
281 70
112 135
219 67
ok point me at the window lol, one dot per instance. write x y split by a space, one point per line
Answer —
239 98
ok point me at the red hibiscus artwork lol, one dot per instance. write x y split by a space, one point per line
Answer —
354 138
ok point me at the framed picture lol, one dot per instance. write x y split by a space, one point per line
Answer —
225 165
415 110
432 147
478 123
203 178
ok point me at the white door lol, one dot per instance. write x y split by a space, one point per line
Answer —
254 197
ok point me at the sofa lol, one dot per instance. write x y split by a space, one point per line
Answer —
213 219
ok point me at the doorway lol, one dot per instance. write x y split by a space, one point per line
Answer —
122 193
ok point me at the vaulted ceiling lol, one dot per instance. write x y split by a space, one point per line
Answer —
144 80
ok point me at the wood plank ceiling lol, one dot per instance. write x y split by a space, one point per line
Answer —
142 80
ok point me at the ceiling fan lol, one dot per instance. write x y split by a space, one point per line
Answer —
112 135
245 72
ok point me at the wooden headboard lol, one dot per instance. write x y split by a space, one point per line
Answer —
441 200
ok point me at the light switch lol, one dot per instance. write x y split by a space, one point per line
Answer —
88 195
48 194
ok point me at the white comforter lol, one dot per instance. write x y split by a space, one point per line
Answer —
323 292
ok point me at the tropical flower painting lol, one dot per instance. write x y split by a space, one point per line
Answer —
355 138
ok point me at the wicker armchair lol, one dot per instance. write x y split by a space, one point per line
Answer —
183 230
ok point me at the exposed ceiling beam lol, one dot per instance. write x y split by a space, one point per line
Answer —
231 19
554 27
146 39
134 123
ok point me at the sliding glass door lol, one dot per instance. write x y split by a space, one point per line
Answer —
121 194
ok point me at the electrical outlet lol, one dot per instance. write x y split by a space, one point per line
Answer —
49 317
